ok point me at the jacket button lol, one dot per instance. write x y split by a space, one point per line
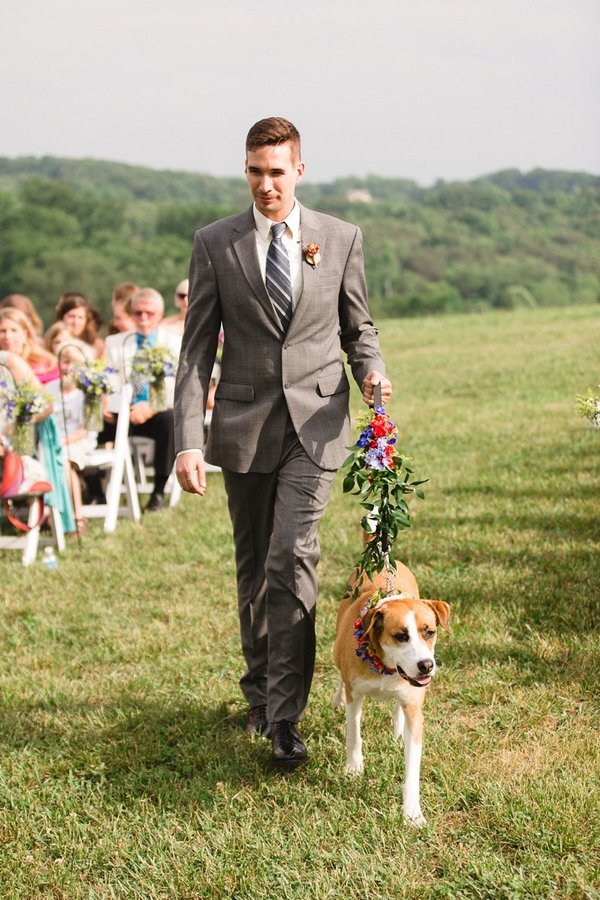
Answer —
285 345
287 384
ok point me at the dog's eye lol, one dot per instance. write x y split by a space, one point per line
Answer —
429 633
401 636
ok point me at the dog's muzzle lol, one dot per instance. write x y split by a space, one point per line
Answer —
426 667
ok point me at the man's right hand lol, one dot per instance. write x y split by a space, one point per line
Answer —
191 475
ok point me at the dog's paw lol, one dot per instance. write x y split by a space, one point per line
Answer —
415 818
354 767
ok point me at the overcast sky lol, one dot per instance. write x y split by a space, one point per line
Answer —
420 89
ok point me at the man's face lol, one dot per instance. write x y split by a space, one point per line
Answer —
147 316
272 174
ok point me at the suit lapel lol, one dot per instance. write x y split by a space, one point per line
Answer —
244 245
312 233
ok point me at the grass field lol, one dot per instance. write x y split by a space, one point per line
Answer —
124 770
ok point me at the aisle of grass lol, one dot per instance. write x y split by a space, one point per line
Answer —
124 771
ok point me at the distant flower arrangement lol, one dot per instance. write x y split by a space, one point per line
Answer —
93 379
150 367
380 476
588 406
20 403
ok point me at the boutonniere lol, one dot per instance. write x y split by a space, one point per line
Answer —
312 254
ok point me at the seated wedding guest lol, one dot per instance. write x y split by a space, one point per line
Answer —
17 336
20 371
175 323
69 412
120 303
58 335
147 307
18 368
76 311
47 430
24 304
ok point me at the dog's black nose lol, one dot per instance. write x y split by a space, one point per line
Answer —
425 666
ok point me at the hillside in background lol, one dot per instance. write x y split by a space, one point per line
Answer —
505 240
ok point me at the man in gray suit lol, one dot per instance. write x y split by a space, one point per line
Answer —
288 285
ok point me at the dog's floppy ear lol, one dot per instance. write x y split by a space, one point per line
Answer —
372 622
442 613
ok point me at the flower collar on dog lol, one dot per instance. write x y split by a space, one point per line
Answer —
365 649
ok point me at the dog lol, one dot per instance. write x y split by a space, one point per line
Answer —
384 648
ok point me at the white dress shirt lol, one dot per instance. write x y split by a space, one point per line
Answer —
292 241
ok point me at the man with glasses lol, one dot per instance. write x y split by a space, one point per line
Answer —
175 323
147 307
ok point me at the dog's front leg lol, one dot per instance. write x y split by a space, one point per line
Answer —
413 745
398 720
354 756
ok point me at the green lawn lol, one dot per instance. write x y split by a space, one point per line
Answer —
124 770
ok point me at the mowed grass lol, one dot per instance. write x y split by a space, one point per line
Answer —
124 769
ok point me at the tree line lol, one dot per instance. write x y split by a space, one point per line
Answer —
506 240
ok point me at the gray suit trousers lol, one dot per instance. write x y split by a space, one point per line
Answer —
275 517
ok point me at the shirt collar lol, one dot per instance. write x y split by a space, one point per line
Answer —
292 220
150 339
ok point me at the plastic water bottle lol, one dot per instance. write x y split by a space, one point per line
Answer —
50 559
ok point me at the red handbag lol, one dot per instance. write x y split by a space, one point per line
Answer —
22 476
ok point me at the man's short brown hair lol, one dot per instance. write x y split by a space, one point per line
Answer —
272 131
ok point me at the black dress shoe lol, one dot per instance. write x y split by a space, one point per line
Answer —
156 503
288 748
257 723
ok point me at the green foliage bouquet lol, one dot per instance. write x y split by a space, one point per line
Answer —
588 406
379 474
151 366
93 379
20 403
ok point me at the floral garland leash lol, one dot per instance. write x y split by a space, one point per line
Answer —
381 476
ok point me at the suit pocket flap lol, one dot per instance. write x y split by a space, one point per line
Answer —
333 384
229 391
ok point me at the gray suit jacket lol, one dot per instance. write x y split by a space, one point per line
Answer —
265 374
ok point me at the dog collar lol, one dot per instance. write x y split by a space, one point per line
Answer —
365 649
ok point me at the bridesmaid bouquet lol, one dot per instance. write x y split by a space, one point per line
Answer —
93 380
20 402
150 367
381 477
588 406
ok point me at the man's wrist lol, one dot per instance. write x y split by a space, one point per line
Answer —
191 450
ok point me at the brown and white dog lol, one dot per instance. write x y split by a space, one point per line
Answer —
385 649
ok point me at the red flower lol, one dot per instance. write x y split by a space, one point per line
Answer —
379 427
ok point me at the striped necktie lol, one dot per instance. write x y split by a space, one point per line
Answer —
278 280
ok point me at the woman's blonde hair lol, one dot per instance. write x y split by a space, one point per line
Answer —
32 351
24 304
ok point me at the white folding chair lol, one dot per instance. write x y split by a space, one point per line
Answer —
122 475
29 541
